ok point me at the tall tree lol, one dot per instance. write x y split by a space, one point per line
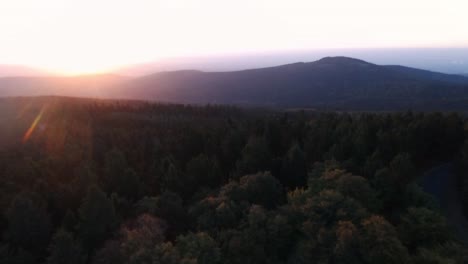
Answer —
65 250
380 244
294 167
256 157
199 246
97 218
29 224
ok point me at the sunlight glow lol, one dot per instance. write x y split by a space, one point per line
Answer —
88 36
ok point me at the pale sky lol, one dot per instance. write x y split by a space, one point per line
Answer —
85 36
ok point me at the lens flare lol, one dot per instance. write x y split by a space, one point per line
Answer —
33 126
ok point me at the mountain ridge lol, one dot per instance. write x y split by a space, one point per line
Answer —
331 82
330 79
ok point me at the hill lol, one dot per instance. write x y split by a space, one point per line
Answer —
77 86
336 82
333 82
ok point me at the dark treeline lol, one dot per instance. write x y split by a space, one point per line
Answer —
132 182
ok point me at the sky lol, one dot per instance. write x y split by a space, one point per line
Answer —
88 36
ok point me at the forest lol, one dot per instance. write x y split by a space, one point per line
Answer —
113 182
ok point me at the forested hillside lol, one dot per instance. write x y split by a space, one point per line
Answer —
96 181
332 82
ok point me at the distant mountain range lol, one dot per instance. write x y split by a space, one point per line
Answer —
339 83
17 70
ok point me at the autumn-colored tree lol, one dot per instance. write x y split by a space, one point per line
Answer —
379 242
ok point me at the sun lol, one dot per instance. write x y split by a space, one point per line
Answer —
79 60
76 60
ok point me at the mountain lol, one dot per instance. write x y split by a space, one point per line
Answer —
332 83
336 82
446 60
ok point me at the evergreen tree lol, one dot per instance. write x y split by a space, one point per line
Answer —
97 218
294 168
65 250
29 224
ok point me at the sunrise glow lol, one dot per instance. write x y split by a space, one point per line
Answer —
88 36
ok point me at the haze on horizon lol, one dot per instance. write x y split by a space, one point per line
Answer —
86 36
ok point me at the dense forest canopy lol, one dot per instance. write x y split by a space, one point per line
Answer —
93 181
